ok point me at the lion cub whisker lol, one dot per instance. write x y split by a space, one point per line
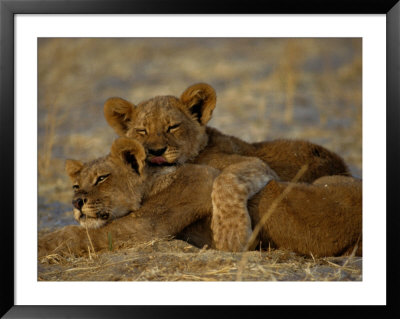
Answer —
194 142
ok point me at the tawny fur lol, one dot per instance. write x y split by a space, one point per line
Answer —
195 142
322 219
231 223
178 125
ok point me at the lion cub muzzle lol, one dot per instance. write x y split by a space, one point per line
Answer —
157 152
79 203
160 157
155 156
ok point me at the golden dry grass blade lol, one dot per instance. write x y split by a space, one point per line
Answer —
265 217
90 241
273 206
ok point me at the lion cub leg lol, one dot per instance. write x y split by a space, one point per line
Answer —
230 222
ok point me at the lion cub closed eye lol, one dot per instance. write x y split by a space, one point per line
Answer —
173 131
323 218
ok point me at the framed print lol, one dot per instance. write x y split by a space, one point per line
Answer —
320 73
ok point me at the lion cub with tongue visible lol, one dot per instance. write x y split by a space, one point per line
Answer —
323 219
174 131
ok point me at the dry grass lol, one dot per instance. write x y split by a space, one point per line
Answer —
175 260
267 89
257 228
51 122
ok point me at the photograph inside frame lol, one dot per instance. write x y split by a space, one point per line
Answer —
200 159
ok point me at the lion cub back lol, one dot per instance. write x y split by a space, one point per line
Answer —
323 218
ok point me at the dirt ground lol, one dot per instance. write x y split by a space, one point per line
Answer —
266 89
176 260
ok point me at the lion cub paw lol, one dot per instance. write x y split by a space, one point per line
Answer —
230 222
231 226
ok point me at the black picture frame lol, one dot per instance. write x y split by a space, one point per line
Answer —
8 8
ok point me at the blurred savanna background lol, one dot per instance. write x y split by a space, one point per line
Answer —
267 88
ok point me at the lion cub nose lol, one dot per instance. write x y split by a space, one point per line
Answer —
157 152
78 203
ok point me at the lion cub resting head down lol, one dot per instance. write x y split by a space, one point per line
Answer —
323 218
173 131
158 202
113 186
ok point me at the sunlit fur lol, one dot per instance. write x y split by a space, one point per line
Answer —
120 193
192 141
322 219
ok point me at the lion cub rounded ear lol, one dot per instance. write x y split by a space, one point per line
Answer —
129 152
118 114
200 99
73 167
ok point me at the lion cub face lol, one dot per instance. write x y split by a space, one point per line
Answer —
171 129
108 187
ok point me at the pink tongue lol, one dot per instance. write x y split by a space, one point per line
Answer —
158 160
